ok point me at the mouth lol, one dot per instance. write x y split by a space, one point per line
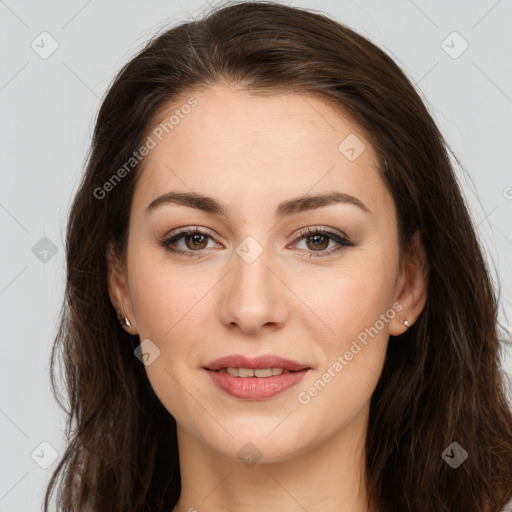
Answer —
255 379
260 365
254 372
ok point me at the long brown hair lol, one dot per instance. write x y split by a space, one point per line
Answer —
441 382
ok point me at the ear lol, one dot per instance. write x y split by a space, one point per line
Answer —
412 285
118 290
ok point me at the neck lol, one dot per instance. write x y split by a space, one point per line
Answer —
327 477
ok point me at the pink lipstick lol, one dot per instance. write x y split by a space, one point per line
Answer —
255 378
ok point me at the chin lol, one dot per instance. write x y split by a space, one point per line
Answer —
263 443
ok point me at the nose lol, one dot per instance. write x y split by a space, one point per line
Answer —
254 293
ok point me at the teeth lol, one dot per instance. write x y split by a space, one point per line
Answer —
263 372
249 372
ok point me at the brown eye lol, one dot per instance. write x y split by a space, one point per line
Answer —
318 242
195 241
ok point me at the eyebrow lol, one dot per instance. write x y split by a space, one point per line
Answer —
296 205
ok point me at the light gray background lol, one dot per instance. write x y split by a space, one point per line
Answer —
48 108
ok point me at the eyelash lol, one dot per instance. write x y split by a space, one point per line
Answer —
308 233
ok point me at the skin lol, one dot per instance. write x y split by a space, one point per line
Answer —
250 153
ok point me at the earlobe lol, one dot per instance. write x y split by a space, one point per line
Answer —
414 289
118 290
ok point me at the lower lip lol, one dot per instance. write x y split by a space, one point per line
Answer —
256 388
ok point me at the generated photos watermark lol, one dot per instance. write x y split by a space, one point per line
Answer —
151 142
305 397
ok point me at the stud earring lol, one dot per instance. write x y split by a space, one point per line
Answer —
406 323
126 322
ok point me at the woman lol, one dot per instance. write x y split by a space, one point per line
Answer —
275 294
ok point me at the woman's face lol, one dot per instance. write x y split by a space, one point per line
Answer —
254 282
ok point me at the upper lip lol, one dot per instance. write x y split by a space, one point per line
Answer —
264 361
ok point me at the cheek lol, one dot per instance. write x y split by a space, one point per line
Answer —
164 298
354 349
167 305
351 299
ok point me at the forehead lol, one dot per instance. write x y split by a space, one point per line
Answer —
239 144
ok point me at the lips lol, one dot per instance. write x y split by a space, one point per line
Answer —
260 362
259 386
